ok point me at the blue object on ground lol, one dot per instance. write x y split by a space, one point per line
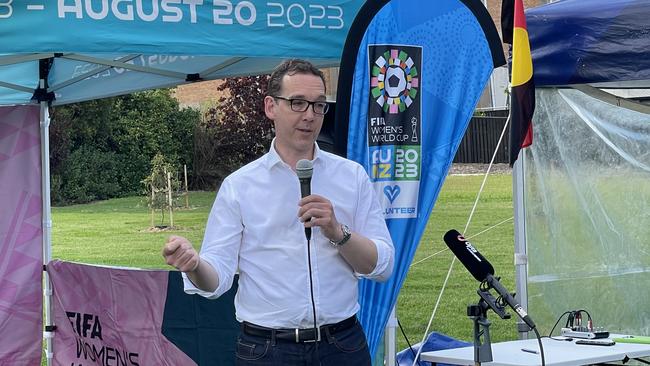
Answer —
434 342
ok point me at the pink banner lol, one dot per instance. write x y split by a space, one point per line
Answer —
111 316
21 235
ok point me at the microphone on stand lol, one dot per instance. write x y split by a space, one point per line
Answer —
482 270
304 170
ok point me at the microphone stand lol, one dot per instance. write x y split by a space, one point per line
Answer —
478 314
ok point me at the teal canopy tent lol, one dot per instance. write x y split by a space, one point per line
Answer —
83 50
59 52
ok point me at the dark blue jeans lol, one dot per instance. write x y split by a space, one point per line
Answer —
347 347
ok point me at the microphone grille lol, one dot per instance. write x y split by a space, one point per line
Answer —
304 168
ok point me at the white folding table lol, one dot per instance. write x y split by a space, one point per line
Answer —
557 353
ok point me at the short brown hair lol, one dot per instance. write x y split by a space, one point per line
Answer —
291 67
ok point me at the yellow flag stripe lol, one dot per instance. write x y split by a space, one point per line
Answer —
522 64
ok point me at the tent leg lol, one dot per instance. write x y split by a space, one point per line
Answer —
521 257
48 333
390 352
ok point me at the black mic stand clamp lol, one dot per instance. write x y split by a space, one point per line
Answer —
478 314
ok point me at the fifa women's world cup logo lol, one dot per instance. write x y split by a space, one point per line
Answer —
394 81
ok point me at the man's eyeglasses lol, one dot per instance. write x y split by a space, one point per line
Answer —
301 105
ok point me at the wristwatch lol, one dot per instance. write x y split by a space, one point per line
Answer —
347 233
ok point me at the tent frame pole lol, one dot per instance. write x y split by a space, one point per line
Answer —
49 328
390 340
521 256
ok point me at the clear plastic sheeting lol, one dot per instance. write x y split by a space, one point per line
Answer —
587 211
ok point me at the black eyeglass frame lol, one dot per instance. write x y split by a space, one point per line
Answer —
326 105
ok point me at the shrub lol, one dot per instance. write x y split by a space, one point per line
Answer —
116 138
88 175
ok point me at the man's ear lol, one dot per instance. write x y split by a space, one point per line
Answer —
269 107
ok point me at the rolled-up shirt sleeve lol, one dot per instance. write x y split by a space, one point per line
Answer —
370 222
221 242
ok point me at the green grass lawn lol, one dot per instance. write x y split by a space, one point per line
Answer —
116 232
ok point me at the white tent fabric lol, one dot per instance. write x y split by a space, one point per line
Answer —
587 218
571 186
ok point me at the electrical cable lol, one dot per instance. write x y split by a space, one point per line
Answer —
407 342
313 302
484 286
571 318
550 334
584 311
541 348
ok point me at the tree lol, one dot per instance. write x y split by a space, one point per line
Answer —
158 188
234 132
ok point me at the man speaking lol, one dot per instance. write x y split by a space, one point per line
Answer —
297 295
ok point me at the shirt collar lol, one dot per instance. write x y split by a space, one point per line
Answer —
273 158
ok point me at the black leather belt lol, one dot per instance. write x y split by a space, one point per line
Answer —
298 335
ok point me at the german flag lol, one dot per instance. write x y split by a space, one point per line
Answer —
522 97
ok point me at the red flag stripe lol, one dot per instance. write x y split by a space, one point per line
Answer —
528 140
520 19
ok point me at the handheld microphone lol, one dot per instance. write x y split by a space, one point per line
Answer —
304 170
482 270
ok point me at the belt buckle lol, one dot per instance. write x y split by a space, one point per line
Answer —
309 340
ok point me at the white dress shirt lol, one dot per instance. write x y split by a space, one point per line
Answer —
254 229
